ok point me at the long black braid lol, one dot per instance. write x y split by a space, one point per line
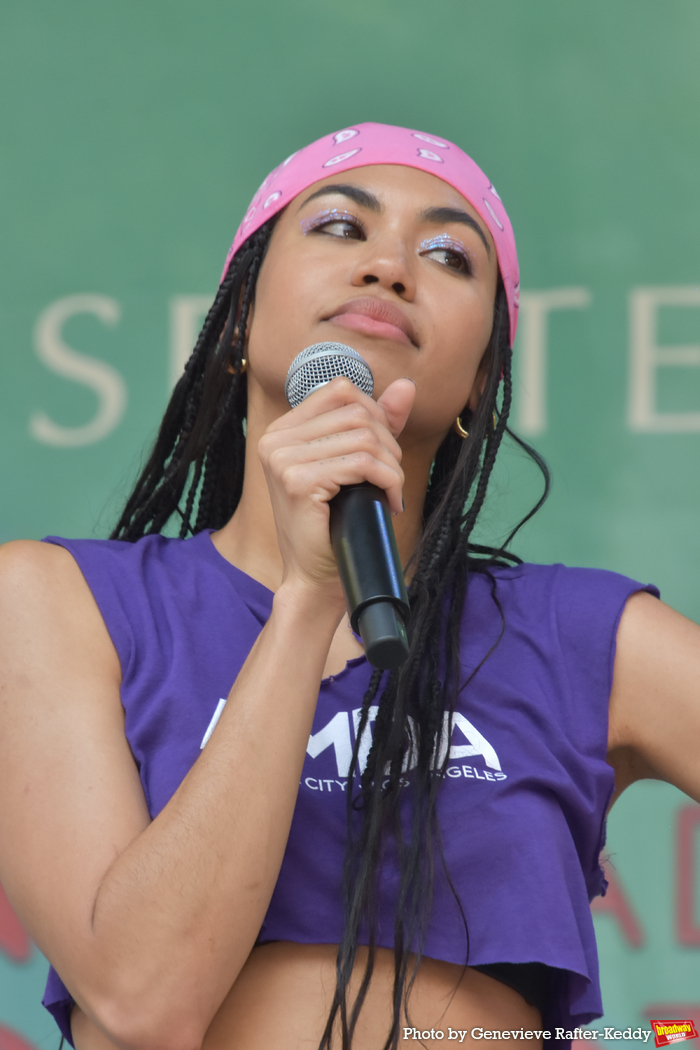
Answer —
201 442
198 458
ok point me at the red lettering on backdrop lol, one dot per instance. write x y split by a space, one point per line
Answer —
687 877
616 903
13 938
10 1040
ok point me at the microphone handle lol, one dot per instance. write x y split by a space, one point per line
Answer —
364 544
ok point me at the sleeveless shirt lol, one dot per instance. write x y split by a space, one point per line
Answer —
523 801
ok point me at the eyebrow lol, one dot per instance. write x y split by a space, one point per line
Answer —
361 197
441 215
369 201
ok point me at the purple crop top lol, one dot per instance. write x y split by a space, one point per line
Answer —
523 804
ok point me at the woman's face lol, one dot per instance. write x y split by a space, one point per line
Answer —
392 261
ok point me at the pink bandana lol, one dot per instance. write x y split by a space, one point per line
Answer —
364 144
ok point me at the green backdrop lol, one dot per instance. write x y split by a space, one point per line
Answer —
133 136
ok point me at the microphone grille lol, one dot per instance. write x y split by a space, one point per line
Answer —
320 363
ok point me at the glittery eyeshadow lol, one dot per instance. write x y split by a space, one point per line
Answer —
443 241
448 243
330 215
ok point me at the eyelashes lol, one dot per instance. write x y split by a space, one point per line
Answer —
348 226
455 255
443 249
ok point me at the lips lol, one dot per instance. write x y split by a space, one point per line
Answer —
375 317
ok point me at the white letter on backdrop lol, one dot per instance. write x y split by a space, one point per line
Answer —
535 308
186 315
104 380
646 356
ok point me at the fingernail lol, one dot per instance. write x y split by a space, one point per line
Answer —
409 379
403 503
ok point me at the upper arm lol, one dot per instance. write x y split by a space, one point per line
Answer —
70 796
655 699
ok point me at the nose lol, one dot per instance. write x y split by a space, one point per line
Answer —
388 263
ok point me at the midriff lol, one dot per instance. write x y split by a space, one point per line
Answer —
283 994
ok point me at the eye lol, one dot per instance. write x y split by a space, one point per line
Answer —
451 259
335 223
448 253
345 228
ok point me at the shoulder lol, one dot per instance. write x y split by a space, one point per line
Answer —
49 621
54 560
49 574
119 587
569 616
25 559
119 573
536 576
147 558
570 593
655 701
32 573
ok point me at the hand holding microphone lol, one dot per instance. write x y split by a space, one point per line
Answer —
362 535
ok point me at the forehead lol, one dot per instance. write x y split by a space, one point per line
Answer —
396 187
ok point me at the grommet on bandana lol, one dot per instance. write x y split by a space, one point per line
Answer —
364 144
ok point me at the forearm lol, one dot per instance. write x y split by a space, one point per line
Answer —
178 912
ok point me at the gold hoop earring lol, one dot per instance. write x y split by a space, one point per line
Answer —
241 370
459 429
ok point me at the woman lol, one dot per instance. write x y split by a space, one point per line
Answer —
211 882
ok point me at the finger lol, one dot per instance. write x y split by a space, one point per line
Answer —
348 420
301 468
323 480
397 402
333 447
339 392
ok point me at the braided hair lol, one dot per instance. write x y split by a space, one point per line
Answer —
195 471
199 454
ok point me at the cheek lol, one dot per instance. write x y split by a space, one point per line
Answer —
449 377
463 334
273 324
287 300
476 321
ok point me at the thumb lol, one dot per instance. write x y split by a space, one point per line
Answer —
397 401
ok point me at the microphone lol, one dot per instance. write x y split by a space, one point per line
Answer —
362 535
